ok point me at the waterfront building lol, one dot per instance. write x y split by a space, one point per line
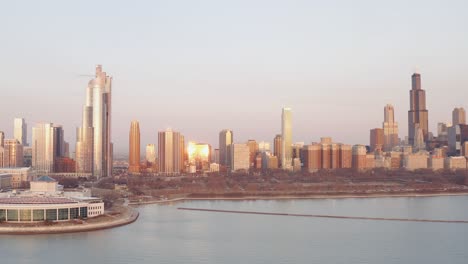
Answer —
390 128
415 161
43 148
134 148
455 163
359 161
170 152
94 149
150 153
286 135
418 113
370 161
312 155
20 131
458 116
277 147
240 155
376 139
346 156
226 138
436 162
326 156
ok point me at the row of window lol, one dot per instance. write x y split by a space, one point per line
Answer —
28 215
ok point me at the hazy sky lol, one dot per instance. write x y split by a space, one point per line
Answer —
202 66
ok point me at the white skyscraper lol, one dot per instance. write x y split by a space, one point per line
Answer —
150 153
93 146
20 131
390 128
286 133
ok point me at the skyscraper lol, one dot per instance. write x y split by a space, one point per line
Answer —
170 152
134 147
277 147
458 116
2 138
150 153
43 148
286 134
253 149
12 154
226 138
20 131
418 113
93 147
390 128
376 139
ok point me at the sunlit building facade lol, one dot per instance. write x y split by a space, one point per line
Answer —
170 152
134 148
20 131
226 138
418 114
390 128
286 135
199 156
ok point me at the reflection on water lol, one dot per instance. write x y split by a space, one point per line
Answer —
164 234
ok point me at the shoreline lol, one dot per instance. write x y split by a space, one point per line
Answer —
300 197
129 215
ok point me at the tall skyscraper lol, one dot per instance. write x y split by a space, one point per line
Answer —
43 148
277 147
134 147
226 138
20 131
150 153
390 128
240 154
253 149
418 113
459 116
94 149
170 152
286 134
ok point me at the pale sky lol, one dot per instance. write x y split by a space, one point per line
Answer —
207 65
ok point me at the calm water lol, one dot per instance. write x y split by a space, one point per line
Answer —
164 234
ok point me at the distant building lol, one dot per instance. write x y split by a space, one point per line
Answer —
286 135
442 131
253 149
376 139
418 113
240 157
199 156
170 152
2 138
277 147
390 128
415 161
359 157
20 176
326 156
150 153
20 131
459 116
455 163
11 155
263 146
5 181
458 135
312 155
134 148
226 138
43 147
64 165
346 156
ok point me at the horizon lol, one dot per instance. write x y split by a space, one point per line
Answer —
175 69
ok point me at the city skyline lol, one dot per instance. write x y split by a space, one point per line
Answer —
267 64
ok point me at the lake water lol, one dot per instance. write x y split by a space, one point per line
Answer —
164 234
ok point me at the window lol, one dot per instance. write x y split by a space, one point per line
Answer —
38 215
51 214
84 212
2 215
12 215
25 215
63 214
74 213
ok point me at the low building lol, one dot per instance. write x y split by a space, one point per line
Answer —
5 181
436 163
214 167
19 175
45 184
359 157
455 163
415 161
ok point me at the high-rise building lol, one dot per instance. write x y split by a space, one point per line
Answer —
457 137
94 149
418 113
312 155
390 128
359 157
43 148
150 153
376 139
226 138
253 149
170 152
442 131
286 135
240 155
263 146
12 154
346 156
277 147
459 116
199 157
20 131
134 148
419 144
